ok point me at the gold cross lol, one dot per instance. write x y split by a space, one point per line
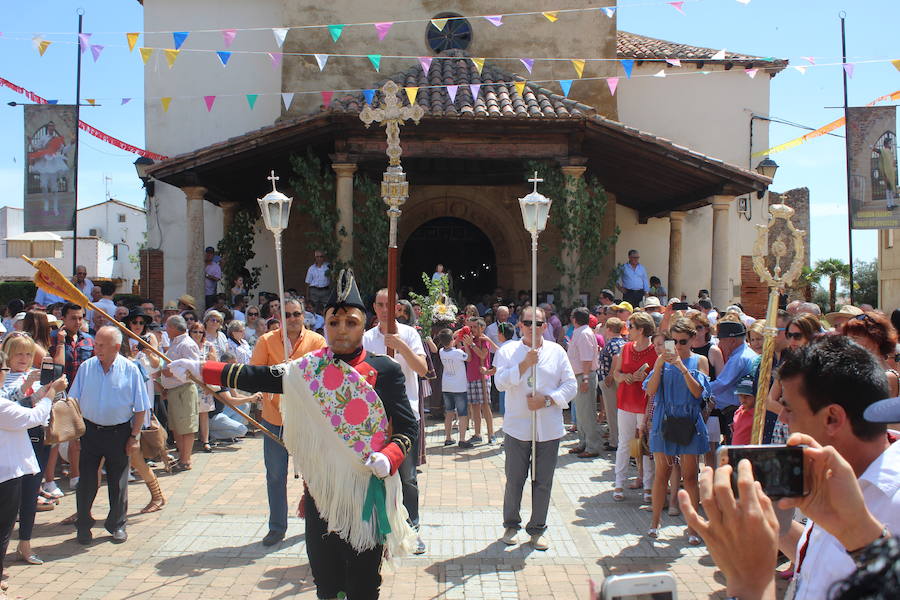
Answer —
392 113
273 179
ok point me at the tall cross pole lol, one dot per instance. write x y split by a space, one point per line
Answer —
394 187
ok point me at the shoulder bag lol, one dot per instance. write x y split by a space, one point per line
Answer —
66 422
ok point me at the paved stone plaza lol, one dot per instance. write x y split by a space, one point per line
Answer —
206 541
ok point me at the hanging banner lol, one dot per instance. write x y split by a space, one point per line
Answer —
872 167
51 161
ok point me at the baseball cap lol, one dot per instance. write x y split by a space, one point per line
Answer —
745 386
883 411
624 306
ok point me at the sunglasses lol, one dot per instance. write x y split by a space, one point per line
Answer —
4 369
682 342
252 314
139 322
296 314
533 323
190 319
793 335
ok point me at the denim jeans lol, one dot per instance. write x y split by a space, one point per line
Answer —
276 460
223 427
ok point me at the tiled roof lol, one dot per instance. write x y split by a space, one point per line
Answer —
497 97
641 47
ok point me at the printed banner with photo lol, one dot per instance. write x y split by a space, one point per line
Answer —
872 157
50 131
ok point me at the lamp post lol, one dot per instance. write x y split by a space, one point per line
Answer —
535 210
767 168
276 211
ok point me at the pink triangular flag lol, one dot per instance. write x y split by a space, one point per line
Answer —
451 91
679 6
228 36
84 40
810 59
495 20
96 49
275 57
425 61
675 62
751 72
613 83
474 88
326 98
528 62
209 100
382 29
848 68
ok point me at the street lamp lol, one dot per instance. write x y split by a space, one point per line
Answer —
535 210
767 168
276 211
142 165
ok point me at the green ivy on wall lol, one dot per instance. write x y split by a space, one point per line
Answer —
236 250
372 227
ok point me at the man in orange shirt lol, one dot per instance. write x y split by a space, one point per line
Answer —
269 350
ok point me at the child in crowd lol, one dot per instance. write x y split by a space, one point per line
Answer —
224 422
743 417
454 386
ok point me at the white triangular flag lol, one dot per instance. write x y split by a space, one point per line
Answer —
662 73
720 55
280 33
287 98
321 59
800 68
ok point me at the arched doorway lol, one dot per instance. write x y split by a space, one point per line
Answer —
464 250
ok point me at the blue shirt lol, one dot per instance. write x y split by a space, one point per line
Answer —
634 278
739 364
110 398
46 298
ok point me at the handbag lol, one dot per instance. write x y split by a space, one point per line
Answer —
66 422
677 430
153 439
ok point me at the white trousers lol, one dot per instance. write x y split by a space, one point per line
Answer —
628 423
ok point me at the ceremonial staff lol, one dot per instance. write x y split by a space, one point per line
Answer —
394 187
49 279
776 282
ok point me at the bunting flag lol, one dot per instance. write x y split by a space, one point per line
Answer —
209 101
679 6
375 59
287 98
551 15
228 36
125 101
475 88
675 62
811 60
84 40
91 101
96 49
495 20
132 40
627 66
425 61
326 98
662 73
321 59
145 54
275 57
171 56
520 88
751 73
528 62
224 56
720 55
280 33
744 1
369 96
609 11
251 100
800 68
612 83
178 38
848 68
411 93
43 45
52 101
896 64
382 29
439 23
165 101
579 66
451 91
479 64
566 85
335 31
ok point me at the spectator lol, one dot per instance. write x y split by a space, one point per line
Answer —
739 361
654 308
583 356
238 307
44 298
237 343
253 323
657 290
755 336
223 421
478 348
875 333
633 281
454 387
212 273
502 316
213 321
105 303
182 401
742 426
238 288
13 308
318 281
554 330
613 347
187 302
82 282
37 326
209 351
847 312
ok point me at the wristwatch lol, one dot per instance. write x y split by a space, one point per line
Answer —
548 401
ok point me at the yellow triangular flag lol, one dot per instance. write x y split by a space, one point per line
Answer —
165 103
411 93
551 15
171 55
896 64
578 63
479 64
146 53
439 23
43 45
520 88
90 101
132 40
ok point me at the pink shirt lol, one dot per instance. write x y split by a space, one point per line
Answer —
583 348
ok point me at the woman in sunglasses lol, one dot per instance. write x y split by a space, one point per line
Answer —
875 333
252 325
679 386
208 351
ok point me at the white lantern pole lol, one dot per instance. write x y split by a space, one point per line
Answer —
276 211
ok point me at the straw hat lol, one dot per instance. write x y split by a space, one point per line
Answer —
847 312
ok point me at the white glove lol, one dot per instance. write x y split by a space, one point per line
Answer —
183 367
379 464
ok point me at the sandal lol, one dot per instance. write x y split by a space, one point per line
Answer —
157 500
181 467
44 505
618 495
653 532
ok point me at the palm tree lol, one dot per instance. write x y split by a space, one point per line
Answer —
834 269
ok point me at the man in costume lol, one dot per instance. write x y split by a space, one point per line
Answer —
349 426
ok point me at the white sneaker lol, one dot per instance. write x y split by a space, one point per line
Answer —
539 543
52 489
509 536
73 483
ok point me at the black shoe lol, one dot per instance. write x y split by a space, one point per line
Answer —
609 447
84 537
272 538
465 444
119 536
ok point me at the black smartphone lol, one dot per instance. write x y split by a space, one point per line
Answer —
50 372
778 468
680 306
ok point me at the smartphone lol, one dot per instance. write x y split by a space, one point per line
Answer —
670 345
50 372
778 468
639 586
680 306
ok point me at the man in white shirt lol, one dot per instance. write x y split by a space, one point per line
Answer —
633 281
556 386
826 388
502 316
317 280
410 353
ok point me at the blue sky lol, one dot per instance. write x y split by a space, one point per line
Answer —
781 28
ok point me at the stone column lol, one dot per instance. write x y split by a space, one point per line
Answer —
674 285
572 173
229 209
193 267
344 195
721 250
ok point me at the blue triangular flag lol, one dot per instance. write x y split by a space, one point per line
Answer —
52 101
178 37
565 84
369 95
224 56
628 65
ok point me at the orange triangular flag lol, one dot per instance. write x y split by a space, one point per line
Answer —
411 93
146 53
171 55
520 88
551 15
896 64
132 40
90 101
578 63
479 64
165 103
439 23
43 45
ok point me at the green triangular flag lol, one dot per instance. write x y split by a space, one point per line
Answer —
336 31
375 59
251 100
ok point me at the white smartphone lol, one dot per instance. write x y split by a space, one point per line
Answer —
670 345
639 586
